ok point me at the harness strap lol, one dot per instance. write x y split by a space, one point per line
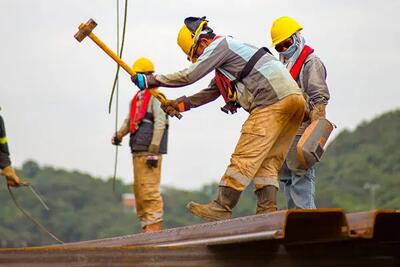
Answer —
295 70
252 62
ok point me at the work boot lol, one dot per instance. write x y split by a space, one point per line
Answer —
218 209
152 228
266 199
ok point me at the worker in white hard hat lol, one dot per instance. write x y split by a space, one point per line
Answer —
310 74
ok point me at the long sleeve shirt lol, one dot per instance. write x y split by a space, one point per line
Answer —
268 82
160 121
312 80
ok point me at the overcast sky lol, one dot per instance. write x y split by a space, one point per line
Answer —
54 91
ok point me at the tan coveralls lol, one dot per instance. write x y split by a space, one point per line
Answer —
146 185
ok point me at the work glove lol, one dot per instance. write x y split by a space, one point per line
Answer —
181 104
145 81
317 112
11 176
116 139
154 149
152 161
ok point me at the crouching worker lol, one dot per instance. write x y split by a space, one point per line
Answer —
5 163
246 77
148 127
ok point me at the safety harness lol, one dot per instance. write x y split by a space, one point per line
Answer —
228 88
138 113
295 70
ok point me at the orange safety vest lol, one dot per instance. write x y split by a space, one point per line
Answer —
138 112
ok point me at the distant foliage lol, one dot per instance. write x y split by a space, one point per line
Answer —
84 207
370 155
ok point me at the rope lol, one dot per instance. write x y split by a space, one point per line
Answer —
120 55
116 82
32 218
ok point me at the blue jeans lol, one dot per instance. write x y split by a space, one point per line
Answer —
299 188
298 185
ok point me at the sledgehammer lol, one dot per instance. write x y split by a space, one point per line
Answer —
85 29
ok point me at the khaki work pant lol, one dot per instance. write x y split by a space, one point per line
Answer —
146 187
265 140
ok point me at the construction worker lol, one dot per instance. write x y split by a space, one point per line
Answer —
310 74
148 127
5 163
246 77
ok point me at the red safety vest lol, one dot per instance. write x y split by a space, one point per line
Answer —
223 83
138 113
295 70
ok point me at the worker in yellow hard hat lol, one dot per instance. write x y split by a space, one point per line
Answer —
248 78
148 127
310 74
5 163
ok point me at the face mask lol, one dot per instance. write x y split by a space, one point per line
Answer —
291 50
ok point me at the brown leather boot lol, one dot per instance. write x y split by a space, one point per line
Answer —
266 199
218 209
151 228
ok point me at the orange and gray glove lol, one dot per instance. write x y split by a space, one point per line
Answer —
180 104
11 176
116 139
318 112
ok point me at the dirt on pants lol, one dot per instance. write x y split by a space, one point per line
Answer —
146 188
265 140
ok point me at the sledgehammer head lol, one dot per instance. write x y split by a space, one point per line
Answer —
85 29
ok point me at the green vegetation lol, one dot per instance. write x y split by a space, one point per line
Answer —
84 208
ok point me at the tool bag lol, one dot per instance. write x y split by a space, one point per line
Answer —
231 103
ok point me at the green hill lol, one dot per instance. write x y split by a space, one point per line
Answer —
84 208
369 155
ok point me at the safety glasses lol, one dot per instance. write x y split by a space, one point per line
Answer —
284 44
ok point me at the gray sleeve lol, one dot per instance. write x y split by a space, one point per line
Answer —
125 127
160 121
205 96
314 82
213 57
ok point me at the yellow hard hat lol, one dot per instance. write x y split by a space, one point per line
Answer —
143 65
283 28
187 39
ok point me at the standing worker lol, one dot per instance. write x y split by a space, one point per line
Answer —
5 163
246 77
148 127
310 74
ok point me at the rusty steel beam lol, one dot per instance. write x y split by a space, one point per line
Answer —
380 225
291 225
322 237
355 252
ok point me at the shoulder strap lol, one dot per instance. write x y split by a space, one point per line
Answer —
252 62
295 70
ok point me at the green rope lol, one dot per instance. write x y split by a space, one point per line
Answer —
116 83
120 55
